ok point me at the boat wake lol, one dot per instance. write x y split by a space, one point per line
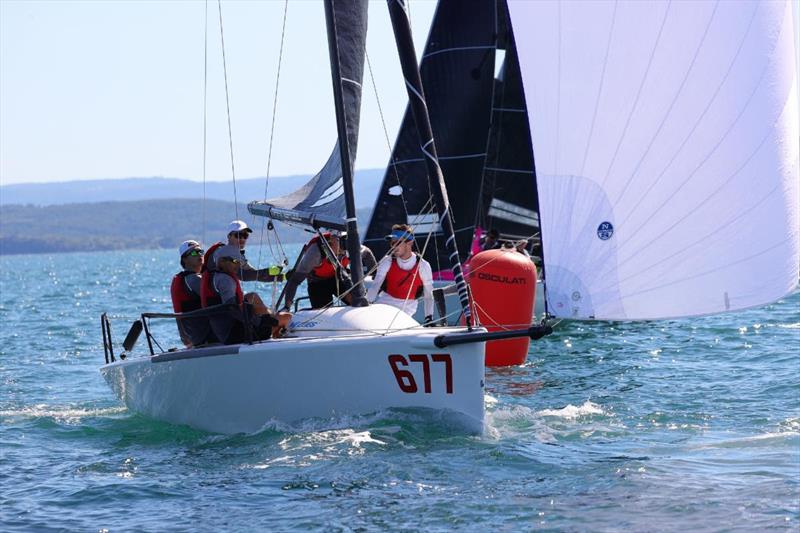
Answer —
571 412
549 425
71 415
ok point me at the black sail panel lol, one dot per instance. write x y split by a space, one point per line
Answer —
322 197
457 70
508 195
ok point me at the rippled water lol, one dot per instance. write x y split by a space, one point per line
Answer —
687 425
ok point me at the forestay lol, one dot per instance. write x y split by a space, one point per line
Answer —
665 137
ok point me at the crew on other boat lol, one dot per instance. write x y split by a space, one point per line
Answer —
238 233
324 266
404 276
222 286
185 292
491 240
367 261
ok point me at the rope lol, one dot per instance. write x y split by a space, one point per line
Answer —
228 108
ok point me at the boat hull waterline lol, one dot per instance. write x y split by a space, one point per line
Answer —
243 388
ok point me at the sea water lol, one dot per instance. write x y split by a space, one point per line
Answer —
681 425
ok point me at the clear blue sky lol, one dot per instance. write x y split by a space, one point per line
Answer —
114 88
110 89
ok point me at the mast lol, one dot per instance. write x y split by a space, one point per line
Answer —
419 108
353 242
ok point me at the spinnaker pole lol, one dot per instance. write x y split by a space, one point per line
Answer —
419 109
353 242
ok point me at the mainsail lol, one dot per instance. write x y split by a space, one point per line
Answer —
321 201
666 144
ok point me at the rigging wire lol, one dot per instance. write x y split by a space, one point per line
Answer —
392 160
205 122
272 138
228 108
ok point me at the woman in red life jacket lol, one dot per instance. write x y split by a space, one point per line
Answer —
222 286
326 278
404 276
185 292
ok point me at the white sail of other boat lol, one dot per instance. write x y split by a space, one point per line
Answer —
665 139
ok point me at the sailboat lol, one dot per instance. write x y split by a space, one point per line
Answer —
653 146
664 138
338 361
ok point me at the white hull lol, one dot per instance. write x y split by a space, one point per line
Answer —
242 388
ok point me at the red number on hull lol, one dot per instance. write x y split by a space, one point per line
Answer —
448 369
405 378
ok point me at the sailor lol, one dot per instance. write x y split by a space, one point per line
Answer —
222 286
238 233
185 292
368 261
522 247
324 266
404 276
490 241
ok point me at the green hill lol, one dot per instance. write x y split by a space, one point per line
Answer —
122 225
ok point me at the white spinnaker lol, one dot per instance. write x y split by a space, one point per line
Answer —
676 124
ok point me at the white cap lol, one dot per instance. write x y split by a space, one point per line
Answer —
239 225
187 246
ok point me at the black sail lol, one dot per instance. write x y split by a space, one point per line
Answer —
508 200
480 126
457 68
321 201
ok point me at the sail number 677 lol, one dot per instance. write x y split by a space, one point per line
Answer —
402 369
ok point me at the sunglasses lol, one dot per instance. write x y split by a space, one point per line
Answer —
232 260
194 253
241 235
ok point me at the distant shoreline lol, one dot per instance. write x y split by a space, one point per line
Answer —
126 225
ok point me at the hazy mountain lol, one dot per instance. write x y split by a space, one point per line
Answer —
367 183
124 225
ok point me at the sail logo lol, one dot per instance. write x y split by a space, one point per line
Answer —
331 193
605 230
501 279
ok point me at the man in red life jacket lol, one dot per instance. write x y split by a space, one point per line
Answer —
324 268
238 233
404 276
185 292
222 286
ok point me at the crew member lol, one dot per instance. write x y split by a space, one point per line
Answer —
238 233
490 241
324 266
404 276
185 292
222 286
